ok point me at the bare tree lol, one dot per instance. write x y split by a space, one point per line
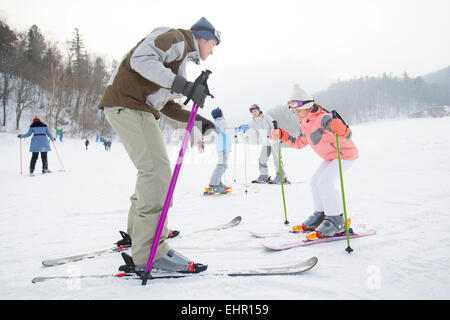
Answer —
26 96
56 85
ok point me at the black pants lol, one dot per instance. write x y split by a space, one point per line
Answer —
34 158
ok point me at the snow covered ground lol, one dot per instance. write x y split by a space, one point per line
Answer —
400 186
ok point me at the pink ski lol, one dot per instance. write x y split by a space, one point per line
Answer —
279 233
273 233
291 243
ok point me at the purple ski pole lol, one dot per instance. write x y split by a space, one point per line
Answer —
187 134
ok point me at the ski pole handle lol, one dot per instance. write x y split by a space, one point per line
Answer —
337 116
201 80
275 126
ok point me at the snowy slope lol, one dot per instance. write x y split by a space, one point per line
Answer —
400 186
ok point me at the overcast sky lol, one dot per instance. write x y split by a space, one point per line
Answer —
267 46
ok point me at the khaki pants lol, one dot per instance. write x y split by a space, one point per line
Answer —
140 135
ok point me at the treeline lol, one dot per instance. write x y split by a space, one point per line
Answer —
368 99
65 87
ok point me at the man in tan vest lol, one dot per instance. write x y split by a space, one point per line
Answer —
143 86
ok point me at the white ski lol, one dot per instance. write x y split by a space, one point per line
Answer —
281 270
88 255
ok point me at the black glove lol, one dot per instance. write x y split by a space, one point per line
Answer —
206 124
181 85
19 136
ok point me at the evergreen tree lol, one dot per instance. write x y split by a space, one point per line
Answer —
99 75
35 47
79 57
7 39
7 56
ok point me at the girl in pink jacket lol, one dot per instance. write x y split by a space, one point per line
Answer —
317 129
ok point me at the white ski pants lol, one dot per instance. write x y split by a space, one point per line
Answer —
327 198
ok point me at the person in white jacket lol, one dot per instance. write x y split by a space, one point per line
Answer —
263 124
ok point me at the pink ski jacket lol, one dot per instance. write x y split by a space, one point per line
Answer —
315 131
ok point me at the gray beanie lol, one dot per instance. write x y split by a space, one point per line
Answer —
253 107
203 29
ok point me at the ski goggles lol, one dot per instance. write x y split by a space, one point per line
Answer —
254 107
297 104
217 34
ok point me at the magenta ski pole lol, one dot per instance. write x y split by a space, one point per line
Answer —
201 80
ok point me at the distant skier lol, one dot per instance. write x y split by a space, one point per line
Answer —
86 143
39 143
317 129
223 148
263 124
201 146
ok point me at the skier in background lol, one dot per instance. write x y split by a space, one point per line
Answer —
59 133
39 143
317 129
201 146
223 148
263 124
144 85
86 143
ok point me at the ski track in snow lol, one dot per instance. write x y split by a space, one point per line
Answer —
399 186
